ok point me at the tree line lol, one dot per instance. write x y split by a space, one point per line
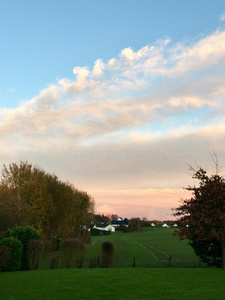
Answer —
31 196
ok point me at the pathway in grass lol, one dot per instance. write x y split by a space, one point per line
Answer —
153 251
151 247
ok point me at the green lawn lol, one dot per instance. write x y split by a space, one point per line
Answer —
120 284
151 247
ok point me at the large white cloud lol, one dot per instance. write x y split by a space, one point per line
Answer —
134 121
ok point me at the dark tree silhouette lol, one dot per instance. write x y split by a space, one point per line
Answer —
202 217
107 254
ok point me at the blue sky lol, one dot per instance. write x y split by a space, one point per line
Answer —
43 40
116 97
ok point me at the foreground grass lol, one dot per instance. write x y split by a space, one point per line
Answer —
161 283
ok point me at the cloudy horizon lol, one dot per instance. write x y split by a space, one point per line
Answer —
126 128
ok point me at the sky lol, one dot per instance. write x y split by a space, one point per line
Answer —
116 97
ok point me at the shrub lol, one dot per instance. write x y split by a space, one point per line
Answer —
54 259
94 262
86 237
72 252
13 262
107 254
34 250
98 232
58 241
5 253
24 234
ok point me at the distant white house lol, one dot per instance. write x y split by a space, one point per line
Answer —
175 225
165 225
110 228
152 225
106 228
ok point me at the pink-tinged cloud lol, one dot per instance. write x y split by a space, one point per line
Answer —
126 130
150 203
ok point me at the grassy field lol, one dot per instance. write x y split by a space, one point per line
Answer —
137 284
151 247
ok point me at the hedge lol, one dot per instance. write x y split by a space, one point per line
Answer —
14 261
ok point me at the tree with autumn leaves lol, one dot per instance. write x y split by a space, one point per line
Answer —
202 217
30 196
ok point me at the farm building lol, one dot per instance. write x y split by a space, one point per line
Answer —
120 222
105 227
165 225
110 228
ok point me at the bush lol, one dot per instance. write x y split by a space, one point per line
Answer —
85 236
98 232
120 228
13 262
5 253
34 250
72 252
94 262
107 254
54 259
58 241
24 234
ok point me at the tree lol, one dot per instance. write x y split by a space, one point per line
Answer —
134 223
83 210
101 219
26 186
114 217
30 196
11 211
107 254
202 217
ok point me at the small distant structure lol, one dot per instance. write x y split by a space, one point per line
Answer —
110 228
175 225
153 225
105 227
165 225
120 222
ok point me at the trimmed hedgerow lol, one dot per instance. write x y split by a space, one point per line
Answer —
24 234
72 251
34 251
99 232
5 253
16 249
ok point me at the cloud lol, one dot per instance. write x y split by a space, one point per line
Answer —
98 68
150 203
105 209
222 17
133 122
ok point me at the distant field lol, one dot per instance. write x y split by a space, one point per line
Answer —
151 247
120 284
